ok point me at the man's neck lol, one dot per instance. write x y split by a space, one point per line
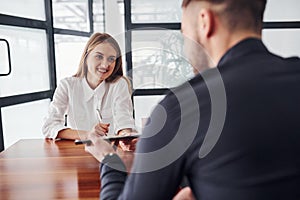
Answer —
219 45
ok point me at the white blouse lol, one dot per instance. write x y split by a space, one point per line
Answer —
74 97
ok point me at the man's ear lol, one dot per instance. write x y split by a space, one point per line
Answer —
206 23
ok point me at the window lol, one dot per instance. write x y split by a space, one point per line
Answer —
98 15
29 59
154 51
68 50
71 15
32 9
18 124
143 106
282 21
289 42
158 60
287 10
156 11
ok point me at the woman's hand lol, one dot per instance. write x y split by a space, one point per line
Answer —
99 147
100 129
127 144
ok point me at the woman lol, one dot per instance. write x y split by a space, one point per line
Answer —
98 85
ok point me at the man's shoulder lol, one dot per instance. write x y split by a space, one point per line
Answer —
200 81
191 89
274 62
293 59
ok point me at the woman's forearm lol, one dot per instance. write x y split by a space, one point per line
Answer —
72 134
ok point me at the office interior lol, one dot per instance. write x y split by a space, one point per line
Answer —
42 40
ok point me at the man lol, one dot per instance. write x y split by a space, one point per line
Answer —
233 130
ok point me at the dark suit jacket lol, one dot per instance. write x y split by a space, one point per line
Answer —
244 114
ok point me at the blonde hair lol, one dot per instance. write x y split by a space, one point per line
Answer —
95 39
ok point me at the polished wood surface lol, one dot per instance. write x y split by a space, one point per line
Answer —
44 169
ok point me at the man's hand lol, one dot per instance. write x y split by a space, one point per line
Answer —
99 147
185 194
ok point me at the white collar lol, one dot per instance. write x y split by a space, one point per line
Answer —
88 92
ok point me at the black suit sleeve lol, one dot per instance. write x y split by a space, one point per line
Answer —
113 176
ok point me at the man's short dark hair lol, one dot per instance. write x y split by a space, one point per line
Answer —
239 14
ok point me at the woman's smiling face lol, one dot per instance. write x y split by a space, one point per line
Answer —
101 62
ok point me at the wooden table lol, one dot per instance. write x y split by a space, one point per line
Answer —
44 169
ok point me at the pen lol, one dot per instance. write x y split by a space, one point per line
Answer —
88 142
99 115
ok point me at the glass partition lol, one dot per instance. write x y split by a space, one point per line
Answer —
287 10
5 64
71 15
143 106
19 122
98 15
68 50
29 60
156 11
32 9
158 60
